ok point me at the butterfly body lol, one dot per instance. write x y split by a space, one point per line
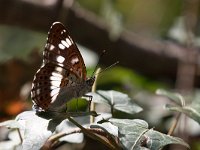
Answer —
67 93
62 75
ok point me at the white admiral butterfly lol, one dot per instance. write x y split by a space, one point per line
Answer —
63 73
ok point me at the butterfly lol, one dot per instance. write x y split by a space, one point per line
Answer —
62 75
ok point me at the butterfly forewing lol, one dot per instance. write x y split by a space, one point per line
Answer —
63 66
61 50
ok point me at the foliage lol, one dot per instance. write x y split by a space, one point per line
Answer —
18 48
139 15
192 110
127 80
37 130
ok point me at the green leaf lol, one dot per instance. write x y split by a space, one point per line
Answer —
130 131
158 140
77 104
36 130
107 127
175 97
12 124
120 78
116 100
133 133
193 111
18 43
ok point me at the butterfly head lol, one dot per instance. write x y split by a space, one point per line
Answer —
90 81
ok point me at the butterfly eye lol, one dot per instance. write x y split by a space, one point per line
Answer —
90 81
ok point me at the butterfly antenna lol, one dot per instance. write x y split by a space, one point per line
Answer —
103 52
108 67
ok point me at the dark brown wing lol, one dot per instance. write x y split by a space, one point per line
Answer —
46 85
63 65
61 50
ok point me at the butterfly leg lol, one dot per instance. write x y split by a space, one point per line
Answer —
90 100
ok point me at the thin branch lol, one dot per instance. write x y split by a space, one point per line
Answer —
174 124
20 136
92 108
92 135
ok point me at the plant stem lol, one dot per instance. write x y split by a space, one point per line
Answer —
90 134
92 107
20 136
174 124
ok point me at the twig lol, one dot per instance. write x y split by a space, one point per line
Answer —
20 136
92 135
92 107
174 124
